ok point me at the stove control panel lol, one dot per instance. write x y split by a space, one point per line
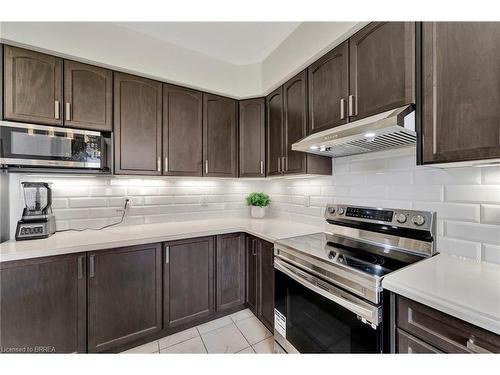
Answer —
421 220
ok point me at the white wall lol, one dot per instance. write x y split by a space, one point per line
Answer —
307 43
467 200
113 46
110 45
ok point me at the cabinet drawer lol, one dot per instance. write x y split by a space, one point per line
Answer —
446 333
407 344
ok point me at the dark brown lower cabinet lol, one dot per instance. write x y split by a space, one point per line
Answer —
230 271
422 329
42 305
188 290
260 280
124 296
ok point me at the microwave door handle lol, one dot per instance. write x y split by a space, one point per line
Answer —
331 295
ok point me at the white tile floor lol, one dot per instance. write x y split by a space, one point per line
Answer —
240 333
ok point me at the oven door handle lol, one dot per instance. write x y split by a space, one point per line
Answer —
370 315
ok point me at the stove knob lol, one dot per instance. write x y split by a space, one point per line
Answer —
418 220
331 210
401 218
340 211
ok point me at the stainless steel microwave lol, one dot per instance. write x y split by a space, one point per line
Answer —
38 146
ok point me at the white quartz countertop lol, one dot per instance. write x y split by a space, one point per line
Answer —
462 288
91 240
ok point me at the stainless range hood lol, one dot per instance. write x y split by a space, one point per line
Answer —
391 129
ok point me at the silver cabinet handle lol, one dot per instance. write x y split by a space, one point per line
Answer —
206 166
473 347
352 105
166 164
56 109
167 254
342 108
254 248
68 111
279 165
158 164
285 164
262 167
80 267
92 266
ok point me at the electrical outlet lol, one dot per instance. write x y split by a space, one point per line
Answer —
307 200
203 201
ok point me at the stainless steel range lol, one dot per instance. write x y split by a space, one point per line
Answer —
328 286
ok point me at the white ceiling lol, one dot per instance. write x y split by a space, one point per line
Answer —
238 43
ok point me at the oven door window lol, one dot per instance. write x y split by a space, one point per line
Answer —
314 324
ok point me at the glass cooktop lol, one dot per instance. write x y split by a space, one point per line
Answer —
370 259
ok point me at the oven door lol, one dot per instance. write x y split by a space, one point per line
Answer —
313 316
46 146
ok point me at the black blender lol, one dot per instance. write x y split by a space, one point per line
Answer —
37 221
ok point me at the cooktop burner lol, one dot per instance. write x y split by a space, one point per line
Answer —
351 254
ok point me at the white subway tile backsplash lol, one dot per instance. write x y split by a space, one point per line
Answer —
491 175
87 202
473 232
478 194
467 200
462 248
490 214
491 253
433 193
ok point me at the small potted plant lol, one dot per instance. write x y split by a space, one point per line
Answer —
258 202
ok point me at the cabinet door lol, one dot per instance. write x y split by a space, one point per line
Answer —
252 133
460 91
219 136
42 305
88 96
188 281
328 89
381 68
295 115
32 87
251 273
182 131
124 296
266 284
230 271
407 344
137 125
275 132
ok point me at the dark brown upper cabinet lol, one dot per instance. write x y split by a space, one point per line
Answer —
182 131
124 295
252 134
32 87
381 68
43 303
460 91
275 132
287 118
137 125
88 96
219 136
230 268
188 286
295 122
329 89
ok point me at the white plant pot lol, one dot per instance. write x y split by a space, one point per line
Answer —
258 212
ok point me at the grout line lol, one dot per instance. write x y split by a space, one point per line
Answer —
243 335
202 341
168 346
